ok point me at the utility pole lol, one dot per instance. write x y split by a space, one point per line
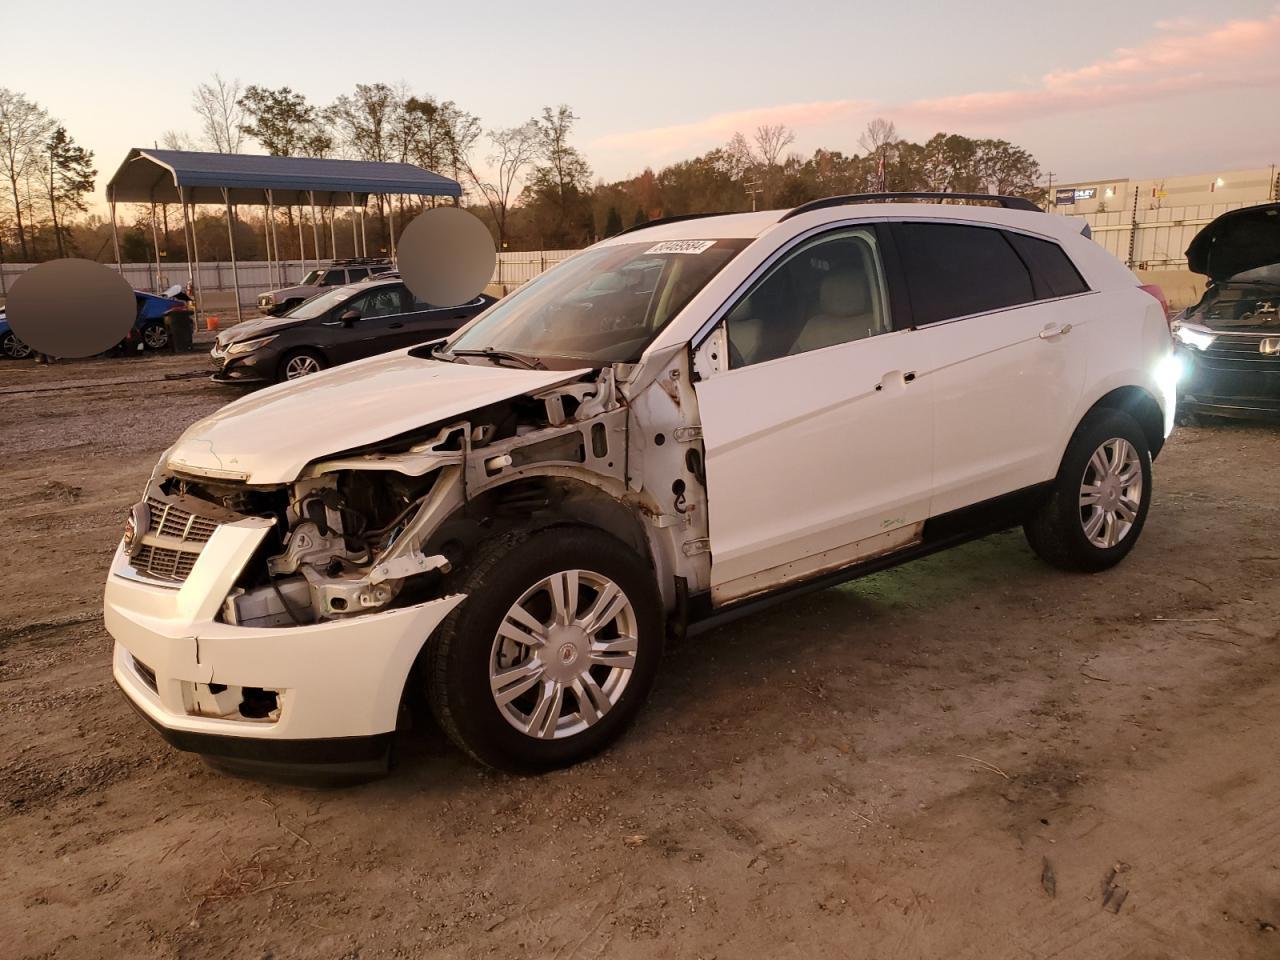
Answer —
1048 197
753 189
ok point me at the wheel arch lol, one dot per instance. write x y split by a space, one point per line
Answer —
1140 405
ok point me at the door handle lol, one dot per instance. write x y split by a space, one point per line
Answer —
893 376
1053 330
395 326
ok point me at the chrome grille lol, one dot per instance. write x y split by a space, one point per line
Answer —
170 520
163 563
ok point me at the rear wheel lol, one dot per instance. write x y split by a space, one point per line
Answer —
551 654
1099 501
301 363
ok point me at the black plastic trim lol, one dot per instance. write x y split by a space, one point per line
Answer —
940 533
368 754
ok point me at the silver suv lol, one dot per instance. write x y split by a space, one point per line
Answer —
337 274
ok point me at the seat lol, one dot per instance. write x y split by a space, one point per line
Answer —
844 312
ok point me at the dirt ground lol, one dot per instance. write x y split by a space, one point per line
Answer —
971 756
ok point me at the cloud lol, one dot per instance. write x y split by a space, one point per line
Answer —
657 143
1183 57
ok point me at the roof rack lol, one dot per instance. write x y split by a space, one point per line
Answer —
359 261
1009 203
661 220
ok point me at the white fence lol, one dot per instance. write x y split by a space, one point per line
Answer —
1154 238
258 277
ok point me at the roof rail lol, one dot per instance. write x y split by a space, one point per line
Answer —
661 220
359 261
1009 203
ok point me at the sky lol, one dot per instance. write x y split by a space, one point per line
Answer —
1093 89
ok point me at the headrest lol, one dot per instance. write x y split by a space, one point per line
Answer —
844 294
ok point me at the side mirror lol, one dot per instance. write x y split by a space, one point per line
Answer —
348 317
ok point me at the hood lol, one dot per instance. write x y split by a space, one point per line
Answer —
249 329
1237 241
270 436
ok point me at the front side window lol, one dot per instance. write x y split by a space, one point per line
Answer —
829 290
954 270
312 278
334 278
604 305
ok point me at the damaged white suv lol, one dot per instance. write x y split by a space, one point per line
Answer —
668 429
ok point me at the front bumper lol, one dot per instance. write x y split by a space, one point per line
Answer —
257 367
1242 383
335 686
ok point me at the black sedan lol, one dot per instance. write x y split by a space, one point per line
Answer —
338 326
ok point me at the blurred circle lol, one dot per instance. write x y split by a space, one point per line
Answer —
446 256
71 308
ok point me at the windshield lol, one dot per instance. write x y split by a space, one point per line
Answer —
312 277
321 303
603 306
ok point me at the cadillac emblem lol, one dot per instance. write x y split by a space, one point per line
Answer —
135 528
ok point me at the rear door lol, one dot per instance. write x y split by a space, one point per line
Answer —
425 321
818 436
1001 314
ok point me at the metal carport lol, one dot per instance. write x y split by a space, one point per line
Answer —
191 178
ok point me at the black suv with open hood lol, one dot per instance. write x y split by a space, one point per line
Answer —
1230 340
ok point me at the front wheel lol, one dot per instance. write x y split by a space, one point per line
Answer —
155 336
301 363
551 654
13 348
1098 504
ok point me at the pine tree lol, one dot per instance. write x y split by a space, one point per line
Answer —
612 222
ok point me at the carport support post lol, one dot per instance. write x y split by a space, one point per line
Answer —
315 231
266 240
302 249
275 240
355 243
364 240
155 242
333 236
231 240
115 237
391 207
195 248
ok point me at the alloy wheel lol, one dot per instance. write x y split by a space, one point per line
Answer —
155 337
563 654
14 348
1110 492
300 366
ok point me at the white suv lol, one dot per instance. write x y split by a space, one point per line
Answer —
671 428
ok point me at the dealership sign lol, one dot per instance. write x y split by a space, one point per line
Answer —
1069 195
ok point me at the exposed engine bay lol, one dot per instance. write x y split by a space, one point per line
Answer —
384 526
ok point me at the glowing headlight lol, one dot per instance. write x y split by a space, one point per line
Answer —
1169 371
1194 336
246 346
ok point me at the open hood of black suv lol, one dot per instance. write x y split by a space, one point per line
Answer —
1237 241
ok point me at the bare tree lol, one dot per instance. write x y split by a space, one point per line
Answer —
221 113
513 150
771 139
879 140
178 140
24 126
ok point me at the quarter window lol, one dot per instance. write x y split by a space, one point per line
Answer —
1052 271
953 270
829 290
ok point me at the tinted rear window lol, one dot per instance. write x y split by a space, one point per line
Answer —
1052 271
954 270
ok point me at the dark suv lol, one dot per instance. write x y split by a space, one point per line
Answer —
337 274
339 325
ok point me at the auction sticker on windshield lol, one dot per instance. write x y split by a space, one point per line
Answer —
681 246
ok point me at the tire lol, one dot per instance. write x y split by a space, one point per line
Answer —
535 729
155 336
1090 520
11 348
300 363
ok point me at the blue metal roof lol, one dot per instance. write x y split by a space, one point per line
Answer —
148 176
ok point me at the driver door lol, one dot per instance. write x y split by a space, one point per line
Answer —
819 435
379 327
